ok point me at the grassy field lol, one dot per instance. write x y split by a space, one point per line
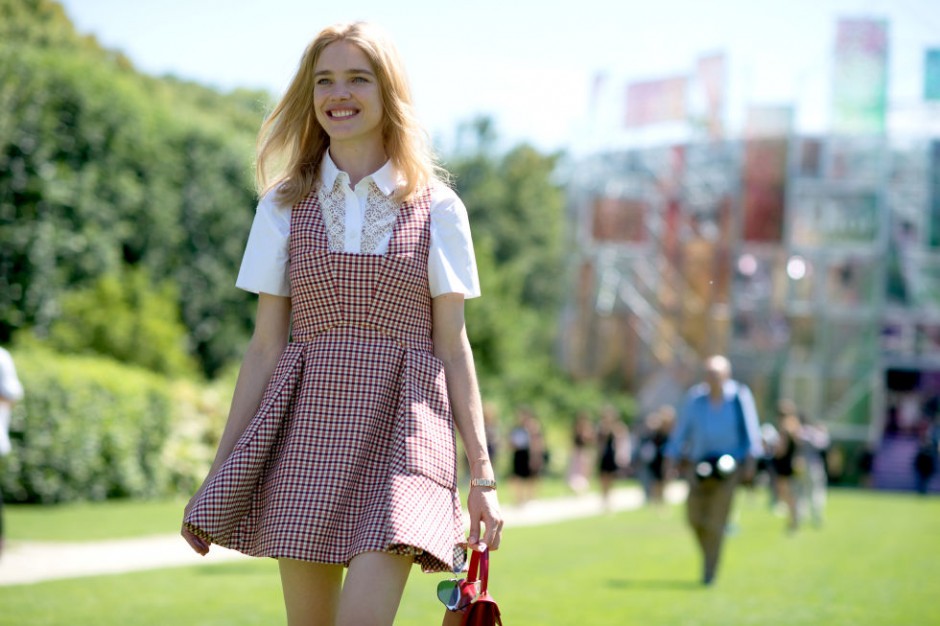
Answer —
877 561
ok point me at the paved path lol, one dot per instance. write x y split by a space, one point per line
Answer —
31 562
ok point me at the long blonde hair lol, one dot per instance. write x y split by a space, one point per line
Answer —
291 142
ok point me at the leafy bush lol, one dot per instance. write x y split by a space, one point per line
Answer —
88 428
103 168
200 412
125 317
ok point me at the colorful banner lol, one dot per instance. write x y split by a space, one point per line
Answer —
932 74
619 219
655 101
860 76
763 189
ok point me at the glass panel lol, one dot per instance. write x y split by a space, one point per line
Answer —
852 345
809 158
851 282
924 280
805 388
927 342
824 216
897 338
848 400
934 207
855 160
760 329
802 339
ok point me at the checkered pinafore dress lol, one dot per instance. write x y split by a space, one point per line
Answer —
353 447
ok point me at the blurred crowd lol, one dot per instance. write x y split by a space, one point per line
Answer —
798 460
603 449
714 439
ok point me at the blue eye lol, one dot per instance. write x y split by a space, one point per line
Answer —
360 79
323 81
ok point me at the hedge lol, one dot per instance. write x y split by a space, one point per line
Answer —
90 428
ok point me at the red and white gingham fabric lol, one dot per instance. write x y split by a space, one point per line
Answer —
353 446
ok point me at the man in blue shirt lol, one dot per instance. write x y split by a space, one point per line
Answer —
717 441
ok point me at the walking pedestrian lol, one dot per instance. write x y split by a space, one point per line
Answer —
657 427
582 439
784 459
717 440
528 455
614 450
812 479
339 450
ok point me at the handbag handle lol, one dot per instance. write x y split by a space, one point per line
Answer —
479 568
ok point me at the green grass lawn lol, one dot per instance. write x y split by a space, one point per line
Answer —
112 519
877 561
115 519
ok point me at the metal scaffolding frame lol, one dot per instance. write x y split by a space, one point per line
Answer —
679 255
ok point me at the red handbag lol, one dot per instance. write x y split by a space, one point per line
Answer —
470 596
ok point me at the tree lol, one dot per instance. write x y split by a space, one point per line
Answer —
516 212
103 168
128 318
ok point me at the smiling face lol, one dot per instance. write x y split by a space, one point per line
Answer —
347 97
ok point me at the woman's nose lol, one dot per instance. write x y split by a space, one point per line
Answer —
340 91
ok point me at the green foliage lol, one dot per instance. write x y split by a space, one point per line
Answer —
91 428
127 318
37 22
88 428
102 168
92 521
199 416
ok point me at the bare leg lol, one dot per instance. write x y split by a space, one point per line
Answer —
607 484
373 589
785 491
311 592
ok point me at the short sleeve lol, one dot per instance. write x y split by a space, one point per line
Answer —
264 267
452 264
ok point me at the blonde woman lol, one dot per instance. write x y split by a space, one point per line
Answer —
339 450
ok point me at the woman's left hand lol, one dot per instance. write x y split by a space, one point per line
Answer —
483 506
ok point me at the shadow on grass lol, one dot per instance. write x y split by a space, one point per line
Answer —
234 568
647 584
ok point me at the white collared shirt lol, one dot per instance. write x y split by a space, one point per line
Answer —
360 220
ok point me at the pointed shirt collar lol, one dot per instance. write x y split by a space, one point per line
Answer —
385 178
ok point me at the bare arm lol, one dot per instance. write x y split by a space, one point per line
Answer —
453 348
272 325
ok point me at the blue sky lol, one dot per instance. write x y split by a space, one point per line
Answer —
529 64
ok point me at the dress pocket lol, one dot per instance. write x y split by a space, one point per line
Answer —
425 423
